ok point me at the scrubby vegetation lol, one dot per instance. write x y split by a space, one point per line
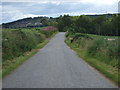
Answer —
104 48
102 52
16 42
19 44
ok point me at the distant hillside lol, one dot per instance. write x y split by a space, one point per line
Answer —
28 22
37 21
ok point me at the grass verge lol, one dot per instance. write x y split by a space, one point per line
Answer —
11 65
107 70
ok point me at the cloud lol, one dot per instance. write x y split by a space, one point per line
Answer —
18 9
62 1
100 2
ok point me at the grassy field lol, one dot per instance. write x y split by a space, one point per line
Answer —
100 52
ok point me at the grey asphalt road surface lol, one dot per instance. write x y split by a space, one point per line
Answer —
56 66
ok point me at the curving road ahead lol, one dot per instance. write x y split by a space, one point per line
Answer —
56 66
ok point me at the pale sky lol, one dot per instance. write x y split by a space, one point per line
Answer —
17 9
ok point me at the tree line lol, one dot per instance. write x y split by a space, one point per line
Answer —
100 25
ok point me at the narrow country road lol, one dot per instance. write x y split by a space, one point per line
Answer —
56 66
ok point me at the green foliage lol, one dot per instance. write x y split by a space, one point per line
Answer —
64 22
44 21
83 24
48 34
100 25
9 65
15 42
108 70
106 49
95 47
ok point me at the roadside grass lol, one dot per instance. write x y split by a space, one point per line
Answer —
11 65
19 45
109 71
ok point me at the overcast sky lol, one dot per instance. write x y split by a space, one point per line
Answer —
17 9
